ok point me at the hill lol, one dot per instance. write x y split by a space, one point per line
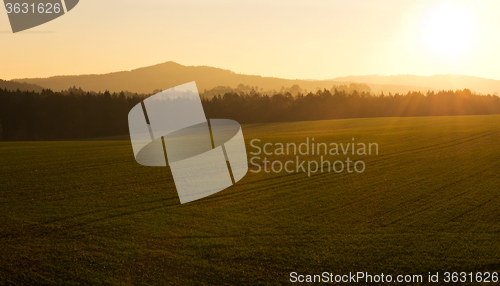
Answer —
170 74
13 86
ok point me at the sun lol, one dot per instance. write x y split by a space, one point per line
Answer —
449 31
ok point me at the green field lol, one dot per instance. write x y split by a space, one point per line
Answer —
86 213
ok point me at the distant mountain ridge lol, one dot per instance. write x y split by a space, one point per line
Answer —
166 75
439 82
170 74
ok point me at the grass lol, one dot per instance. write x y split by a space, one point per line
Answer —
86 213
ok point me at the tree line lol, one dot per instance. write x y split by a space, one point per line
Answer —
74 114
52 115
337 104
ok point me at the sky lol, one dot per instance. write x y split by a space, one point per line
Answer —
302 39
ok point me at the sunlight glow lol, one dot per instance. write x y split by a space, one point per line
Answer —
449 31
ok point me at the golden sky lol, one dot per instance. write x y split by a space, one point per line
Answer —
304 39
